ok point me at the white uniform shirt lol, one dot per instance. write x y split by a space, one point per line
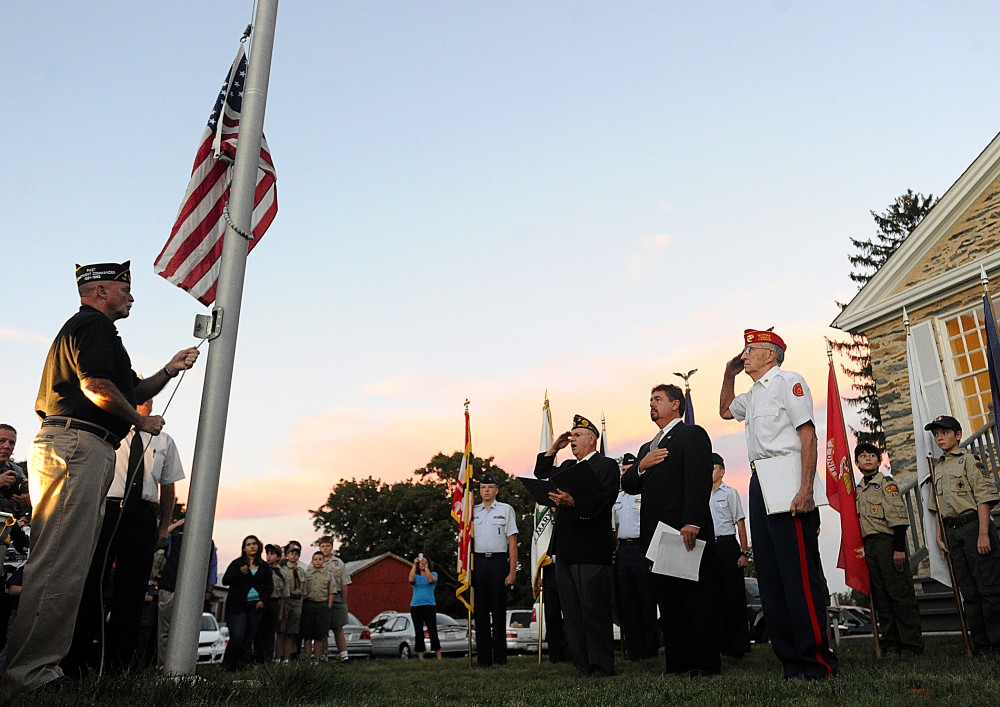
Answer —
773 408
727 510
161 462
493 526
626 515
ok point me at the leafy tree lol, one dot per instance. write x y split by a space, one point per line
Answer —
892 228
370 517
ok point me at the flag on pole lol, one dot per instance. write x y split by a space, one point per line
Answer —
543 516
190 259
461 510
688 407
992 350
923 442
841 492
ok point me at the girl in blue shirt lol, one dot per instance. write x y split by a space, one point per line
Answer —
423 609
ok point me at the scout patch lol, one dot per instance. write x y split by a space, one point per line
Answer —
891 488
797 390
874 510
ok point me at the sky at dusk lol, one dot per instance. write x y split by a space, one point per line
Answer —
476 200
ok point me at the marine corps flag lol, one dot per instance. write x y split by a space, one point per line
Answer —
543 516
461 510
840 491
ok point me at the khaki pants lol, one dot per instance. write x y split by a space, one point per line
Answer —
70 474
164 614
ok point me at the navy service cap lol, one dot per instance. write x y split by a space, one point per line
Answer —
946 422
488 479
717 459
104 272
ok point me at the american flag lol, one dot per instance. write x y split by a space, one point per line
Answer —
190 259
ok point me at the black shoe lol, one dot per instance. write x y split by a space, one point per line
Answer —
60 684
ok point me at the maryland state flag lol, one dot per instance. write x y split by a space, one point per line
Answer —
461 510
841 492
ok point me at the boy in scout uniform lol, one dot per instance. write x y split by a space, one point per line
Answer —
316 603
882 512
964 493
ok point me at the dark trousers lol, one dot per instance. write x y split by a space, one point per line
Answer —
690 616
636 605
555 633
892 591
128 550
263 641
488 574
243 626
793 591
978 577
734 631
425 616
585 594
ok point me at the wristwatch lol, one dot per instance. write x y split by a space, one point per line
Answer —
748 553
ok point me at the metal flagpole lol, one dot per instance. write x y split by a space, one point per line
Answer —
541 619
182 646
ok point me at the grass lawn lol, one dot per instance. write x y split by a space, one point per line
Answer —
943 675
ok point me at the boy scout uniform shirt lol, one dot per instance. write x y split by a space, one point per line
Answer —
962 484
774 407
293 580
280 582
317 585
335 567
880 505
493 526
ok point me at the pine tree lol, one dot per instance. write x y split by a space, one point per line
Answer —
892 228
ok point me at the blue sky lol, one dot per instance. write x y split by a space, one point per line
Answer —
476 201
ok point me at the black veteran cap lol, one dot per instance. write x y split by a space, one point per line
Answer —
946 422
629 458
579 421
103 272
717 459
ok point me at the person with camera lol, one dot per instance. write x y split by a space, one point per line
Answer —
423 607
13 482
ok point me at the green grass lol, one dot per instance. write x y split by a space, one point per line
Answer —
943 675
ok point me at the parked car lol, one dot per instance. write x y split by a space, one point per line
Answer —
211 640
359 639
395 637
518 630
755 612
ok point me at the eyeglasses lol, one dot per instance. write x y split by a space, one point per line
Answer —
748 349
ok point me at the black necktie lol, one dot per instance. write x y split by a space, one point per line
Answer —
136 472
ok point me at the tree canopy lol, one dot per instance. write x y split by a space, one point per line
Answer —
369 517
893 226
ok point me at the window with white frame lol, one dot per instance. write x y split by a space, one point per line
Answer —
966 344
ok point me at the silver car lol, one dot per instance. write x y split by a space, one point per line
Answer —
395 637
359 639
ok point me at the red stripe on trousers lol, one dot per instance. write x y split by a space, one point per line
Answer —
817 636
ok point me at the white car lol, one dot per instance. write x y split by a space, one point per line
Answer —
528 640
212 640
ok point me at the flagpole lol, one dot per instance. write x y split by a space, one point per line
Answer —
182 646
541 618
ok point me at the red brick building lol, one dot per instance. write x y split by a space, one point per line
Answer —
378 584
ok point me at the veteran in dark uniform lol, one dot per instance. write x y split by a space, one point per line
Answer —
882 512
673 472
964 494
86 401
636 605
494 568
584 546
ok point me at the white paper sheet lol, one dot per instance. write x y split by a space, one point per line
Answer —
780 479
669 556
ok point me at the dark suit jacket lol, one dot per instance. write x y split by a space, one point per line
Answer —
583 532
677 490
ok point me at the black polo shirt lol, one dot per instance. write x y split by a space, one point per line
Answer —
88 346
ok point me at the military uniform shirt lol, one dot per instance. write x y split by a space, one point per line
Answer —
727 510
962 484
492 526
317 585
776 404
880 505
626 515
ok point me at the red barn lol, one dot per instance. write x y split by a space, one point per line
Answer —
378 584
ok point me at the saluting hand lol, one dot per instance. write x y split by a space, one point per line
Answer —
734 366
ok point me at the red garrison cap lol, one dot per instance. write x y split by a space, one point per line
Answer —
751 336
